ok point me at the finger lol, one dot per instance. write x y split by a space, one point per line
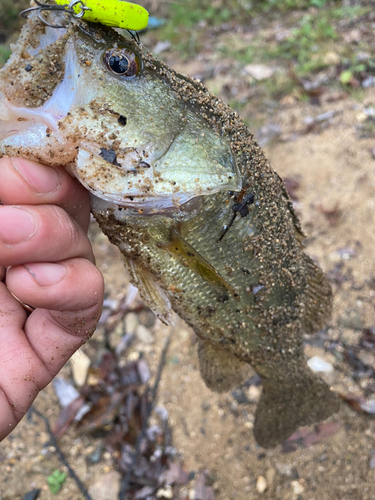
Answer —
60 286
40 233
24 182
29 359
14 352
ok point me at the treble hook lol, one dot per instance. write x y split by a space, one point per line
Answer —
135 36
67 8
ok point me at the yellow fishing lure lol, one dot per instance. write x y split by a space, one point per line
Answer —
114 13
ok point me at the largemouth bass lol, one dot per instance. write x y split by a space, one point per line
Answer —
179 184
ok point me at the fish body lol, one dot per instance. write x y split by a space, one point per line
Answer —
179 184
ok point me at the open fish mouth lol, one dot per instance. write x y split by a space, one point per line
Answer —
137 178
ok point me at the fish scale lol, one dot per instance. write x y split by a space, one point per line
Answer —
179 184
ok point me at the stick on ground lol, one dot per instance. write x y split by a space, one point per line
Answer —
125 484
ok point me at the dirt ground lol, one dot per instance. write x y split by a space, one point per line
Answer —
334 170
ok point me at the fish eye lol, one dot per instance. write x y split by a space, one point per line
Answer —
122 62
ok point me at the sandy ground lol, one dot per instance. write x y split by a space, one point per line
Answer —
335 171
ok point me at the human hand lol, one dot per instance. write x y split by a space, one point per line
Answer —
46 261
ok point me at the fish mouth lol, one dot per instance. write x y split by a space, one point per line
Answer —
127 180
123 182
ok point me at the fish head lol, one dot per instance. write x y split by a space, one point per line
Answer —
89 98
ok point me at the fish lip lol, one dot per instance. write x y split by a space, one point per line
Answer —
153 206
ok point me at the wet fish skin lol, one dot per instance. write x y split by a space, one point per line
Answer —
249 293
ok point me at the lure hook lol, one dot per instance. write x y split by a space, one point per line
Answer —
135 36
67 8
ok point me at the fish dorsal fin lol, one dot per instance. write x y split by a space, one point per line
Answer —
151 292
317 299
191 258
298 231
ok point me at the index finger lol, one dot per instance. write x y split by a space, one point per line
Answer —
24 182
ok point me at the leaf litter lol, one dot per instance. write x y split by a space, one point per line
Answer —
117 399
304 437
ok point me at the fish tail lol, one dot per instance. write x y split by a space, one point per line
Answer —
283 408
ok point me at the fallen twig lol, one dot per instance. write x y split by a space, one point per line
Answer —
64 461
126 482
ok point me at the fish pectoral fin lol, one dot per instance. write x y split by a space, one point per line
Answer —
151 292
317 299
221 371
191 258
284 407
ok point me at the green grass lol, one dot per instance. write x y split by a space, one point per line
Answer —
56 481
4 54
304 50
307 44
10 19
312 34
189 18
287 5
10 22
186 21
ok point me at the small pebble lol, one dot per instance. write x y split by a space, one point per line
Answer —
270 475
317 364
107 486
80 364
131 322
368 358
297 487
166 492
331 58
144 334
285 469
261 484
192 494
254 393
259 71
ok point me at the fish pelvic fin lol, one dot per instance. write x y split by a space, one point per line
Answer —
221 371
190 257
151 292
317 299
283 409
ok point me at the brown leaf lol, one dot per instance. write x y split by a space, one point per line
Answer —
175 474
359 404
321 432
67 416
102 413
332 215
368 338
305 437
203 492
291 184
